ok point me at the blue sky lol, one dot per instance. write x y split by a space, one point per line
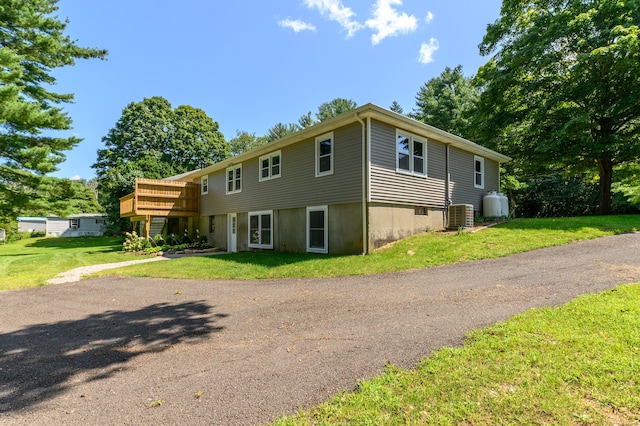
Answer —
252 64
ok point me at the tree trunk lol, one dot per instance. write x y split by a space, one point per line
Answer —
605 167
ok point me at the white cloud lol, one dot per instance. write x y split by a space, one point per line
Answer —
427 50
76 177
387 21
429 17
297 25
337 12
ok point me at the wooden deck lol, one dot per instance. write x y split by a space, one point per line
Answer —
161 198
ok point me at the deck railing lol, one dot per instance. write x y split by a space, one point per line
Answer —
161 198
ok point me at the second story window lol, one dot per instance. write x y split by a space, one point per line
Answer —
234 179
270 166
411 154
324 154
204 185
478 172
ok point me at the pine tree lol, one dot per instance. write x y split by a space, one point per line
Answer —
32 44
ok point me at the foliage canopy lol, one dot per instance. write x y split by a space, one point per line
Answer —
153 140
32 44
448 102
563 85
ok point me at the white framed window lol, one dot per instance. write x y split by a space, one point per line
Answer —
478 172
411 154
74 223
204 185
234 179
261 229
324 154
270 166
317 229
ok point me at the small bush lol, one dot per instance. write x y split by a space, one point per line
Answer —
152 250
18 236
38 234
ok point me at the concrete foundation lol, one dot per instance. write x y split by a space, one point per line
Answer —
388 223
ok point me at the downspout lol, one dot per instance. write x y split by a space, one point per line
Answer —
447 185
365 163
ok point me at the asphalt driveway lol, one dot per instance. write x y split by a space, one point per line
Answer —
156 351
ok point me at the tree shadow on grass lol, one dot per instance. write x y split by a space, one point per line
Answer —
274 259
41 361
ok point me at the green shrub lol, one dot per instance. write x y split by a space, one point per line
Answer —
172 240
38 234
133 242
17 236
151 250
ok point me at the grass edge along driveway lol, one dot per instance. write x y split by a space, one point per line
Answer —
417 252
31 262
572 365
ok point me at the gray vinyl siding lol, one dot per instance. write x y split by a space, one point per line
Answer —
87 226
32 225
57 226
389 186
297 186
463 190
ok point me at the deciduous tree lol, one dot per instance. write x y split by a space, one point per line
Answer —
562 85
153 140
244 142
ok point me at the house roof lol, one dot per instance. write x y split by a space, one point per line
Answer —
31 219
354 116
77 216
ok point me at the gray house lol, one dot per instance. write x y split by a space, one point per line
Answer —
75 225
347 185
31 224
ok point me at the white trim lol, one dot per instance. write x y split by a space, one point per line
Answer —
269 157
204 185
327 136
477 159
260 214
236 188
324 249
412 140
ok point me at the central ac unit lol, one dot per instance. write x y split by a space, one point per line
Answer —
460 216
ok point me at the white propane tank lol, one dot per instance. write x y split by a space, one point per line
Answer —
491 205
504 204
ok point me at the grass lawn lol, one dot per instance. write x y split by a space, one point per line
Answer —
30 262
420 251
573 365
